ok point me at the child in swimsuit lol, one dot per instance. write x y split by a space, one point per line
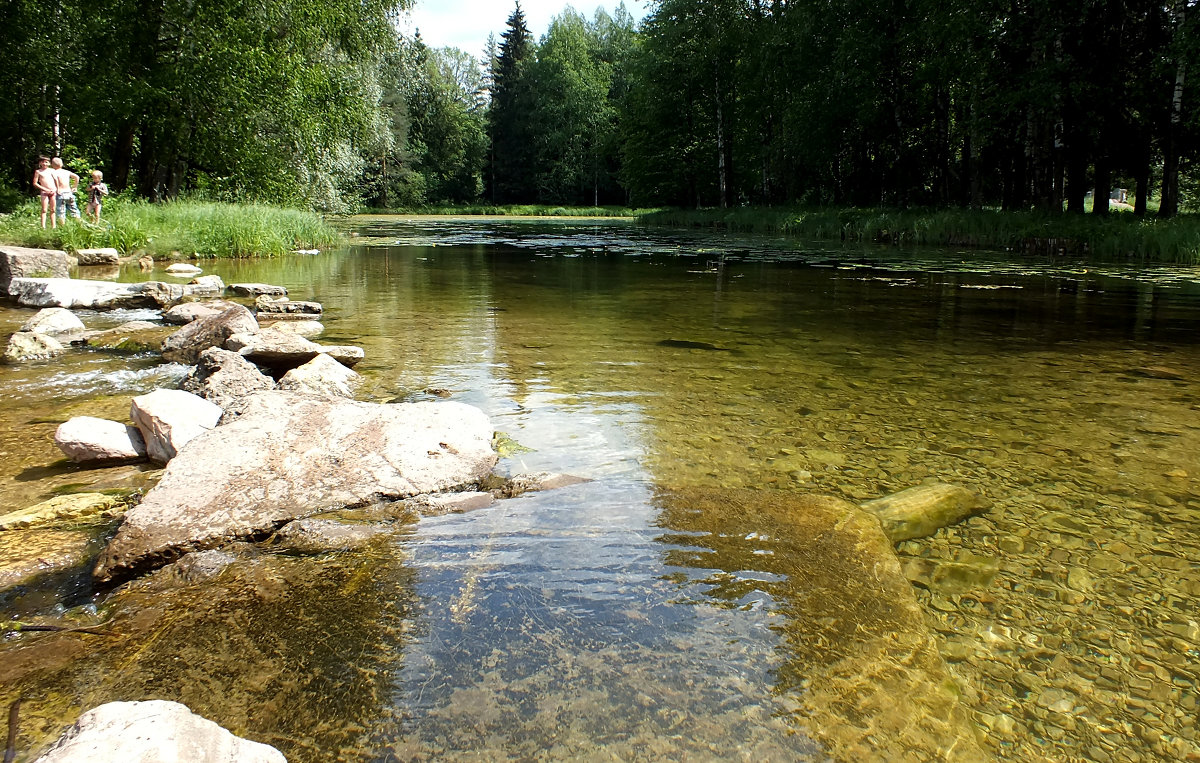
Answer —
43 183
96 191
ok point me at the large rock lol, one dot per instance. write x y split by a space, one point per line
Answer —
186 312
279 349
131 337
280 456
322 376
185 345
77 293
207 286
169 418
875 687
22 262
85 439
223 377
27 556
257 289
184 269
153 730
266 306
924 509
302 327
54 321
100 256
30 345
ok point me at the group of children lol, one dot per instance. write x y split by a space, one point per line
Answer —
57 186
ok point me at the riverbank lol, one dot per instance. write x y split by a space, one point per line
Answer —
177 230
513 210
1119 236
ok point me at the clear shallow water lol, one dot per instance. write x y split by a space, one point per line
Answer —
586 622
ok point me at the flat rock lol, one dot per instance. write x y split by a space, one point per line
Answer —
315 536
301 327
169 418
186 312
54 321
207 286
223 377
876 686
77 293
322 376
131 337
283 350
264 305
184 269
923 510
186 344
256 289
30 345
75 507
280 456
447 503
98 256
27 555
23 262
86 439
513 486
153 730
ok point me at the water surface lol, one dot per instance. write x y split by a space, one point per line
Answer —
591 623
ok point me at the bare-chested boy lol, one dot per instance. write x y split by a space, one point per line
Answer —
65 183
43 183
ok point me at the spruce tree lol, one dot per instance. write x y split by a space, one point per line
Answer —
510 129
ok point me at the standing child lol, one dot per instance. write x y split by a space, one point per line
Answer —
96 191
65 182
43 183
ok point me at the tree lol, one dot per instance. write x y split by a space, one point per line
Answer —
512 138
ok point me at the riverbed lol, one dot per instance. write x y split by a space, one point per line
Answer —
593 622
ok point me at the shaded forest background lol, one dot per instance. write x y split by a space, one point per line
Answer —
1017 104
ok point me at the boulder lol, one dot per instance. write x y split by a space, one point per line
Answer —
256 289
100 256
924 509
131 337
186 312
184 269
98 295
316 536
223 377
279 349
169 418
76 507
22 262
185 345
280 456
207 286
305 328
153 730
875 685
54 321
322 376
86 439
264 305
30 345
145 262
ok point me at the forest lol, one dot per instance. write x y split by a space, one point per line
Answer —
326 104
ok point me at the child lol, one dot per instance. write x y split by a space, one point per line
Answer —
65 182
43 183
96 191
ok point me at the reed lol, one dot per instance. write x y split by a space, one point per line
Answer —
179 229
1119 236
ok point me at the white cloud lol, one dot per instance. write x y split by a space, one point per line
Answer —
466 24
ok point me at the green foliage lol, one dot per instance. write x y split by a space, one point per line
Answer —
187 228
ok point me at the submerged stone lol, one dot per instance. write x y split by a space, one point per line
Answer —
924 509
870 682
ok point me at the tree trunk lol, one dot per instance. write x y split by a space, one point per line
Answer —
1101 198
122 155
1169 204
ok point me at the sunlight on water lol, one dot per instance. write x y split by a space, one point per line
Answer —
642 614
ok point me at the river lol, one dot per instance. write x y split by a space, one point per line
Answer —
592 622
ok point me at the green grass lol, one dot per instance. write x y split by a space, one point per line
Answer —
1119 236
515 210
179 229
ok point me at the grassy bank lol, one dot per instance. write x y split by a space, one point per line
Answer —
1120 236
179 229
515 210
